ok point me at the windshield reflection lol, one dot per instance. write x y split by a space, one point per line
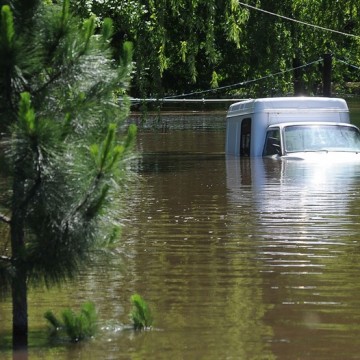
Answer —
299 138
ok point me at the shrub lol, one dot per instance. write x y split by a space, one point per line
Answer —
75 326
140 314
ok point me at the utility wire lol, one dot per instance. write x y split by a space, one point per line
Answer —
297 21
243 82
346 63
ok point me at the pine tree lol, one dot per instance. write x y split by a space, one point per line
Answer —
62 153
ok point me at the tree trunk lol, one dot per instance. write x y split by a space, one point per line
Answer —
19 281
298 83
327 75
20 311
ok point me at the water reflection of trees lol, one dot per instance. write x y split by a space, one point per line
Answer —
201 276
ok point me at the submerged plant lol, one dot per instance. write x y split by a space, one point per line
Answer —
75 326
140 314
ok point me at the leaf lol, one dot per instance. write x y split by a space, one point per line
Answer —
26 113
88 31
107 29
7 27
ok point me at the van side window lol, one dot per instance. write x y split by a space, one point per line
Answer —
245 137
272 143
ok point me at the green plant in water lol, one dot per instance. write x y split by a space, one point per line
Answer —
75 326
140 314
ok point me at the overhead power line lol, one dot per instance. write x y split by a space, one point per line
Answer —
246 82
298 21
346 63
181 97
184 101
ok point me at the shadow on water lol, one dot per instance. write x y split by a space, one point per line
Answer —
174 161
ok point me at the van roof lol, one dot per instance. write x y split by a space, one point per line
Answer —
315 123
283 103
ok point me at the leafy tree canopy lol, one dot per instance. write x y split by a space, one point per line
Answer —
188 45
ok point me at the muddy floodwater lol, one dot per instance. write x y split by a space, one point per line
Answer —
237 258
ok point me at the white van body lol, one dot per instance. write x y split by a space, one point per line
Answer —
249 121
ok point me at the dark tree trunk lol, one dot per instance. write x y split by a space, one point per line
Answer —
298 83
327 75
20 311
19 281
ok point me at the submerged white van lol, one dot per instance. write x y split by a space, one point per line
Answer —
291 127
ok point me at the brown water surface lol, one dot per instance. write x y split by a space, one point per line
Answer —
238 259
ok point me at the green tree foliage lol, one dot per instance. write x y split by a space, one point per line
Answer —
180 45
176 42
62 154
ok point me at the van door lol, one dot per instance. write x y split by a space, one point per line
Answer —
245 140
272 144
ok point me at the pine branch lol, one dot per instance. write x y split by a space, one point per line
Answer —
105 157
92 189
51 80
88 29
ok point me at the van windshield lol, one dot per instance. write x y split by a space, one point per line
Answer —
321 138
